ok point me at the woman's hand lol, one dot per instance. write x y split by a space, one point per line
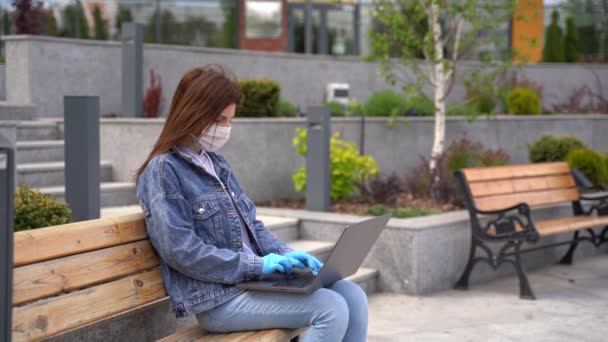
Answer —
307 259
281 263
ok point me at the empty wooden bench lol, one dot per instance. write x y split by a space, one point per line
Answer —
504 195
70 276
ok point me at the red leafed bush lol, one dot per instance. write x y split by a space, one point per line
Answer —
27 16
153 100
583 100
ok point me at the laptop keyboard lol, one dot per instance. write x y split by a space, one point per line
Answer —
300 280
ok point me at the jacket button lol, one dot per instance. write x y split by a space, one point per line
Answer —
232 193
201 210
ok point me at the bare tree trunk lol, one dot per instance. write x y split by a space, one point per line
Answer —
438 84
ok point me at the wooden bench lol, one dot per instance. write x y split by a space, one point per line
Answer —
504 195
70 276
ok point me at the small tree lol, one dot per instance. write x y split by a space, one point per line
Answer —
50 23
28 14
74 21
101 25
443 32
571 42
554 48
6 23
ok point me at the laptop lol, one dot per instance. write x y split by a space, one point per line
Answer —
344 260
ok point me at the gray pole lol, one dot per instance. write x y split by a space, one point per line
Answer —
7 188
132 70
157 23
291 41
77 28
323 39
317 159
308 27
356 32
81 120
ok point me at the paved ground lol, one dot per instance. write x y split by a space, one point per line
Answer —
571 305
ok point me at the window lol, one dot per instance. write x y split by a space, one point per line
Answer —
263 18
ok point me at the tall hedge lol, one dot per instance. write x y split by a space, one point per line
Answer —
571 42
554 50
261 98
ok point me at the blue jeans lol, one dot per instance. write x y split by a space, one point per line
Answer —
336 313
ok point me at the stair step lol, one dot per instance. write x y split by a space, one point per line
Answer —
367 278
40 151
112 193
53 173
37 130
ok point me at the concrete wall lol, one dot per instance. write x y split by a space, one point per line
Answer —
86 67
261 153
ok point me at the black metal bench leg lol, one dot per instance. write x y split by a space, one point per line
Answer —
567 259
525 291
463 282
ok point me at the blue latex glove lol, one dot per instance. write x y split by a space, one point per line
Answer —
307 259
274 262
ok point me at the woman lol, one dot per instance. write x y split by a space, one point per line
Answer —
206 233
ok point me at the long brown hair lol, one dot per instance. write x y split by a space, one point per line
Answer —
201 96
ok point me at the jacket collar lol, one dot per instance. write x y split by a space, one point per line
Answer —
217 161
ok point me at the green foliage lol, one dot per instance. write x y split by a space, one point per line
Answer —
50 24
571 42
74 21
2 61
261 98
348 167
123 16
287 108
549 148
34 209
101 25
336 108
523 101
7 23
194 30
554 48
420 105
590 163
406 212
355 108
229 29
386 103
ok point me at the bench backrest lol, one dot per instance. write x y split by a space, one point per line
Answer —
499 187
68 276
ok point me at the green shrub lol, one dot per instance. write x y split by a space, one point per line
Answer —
287 108
34 209
462 109
420 105
549 148
348 167
386 103
571 42
523 101
261 98
407 212
355 108
336 108
589 163
2 61
554 49
485 103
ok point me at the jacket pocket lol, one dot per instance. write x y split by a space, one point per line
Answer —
207 221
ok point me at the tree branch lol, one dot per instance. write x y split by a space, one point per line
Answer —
452 72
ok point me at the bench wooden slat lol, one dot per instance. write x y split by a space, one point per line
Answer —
195 333
51 316
536 198
52 277
515 171
53 242
509 186
569 224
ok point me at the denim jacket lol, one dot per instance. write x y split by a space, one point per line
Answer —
194 227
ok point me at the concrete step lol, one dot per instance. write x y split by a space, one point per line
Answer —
112 193
40 151
52 173
38 130
16 112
